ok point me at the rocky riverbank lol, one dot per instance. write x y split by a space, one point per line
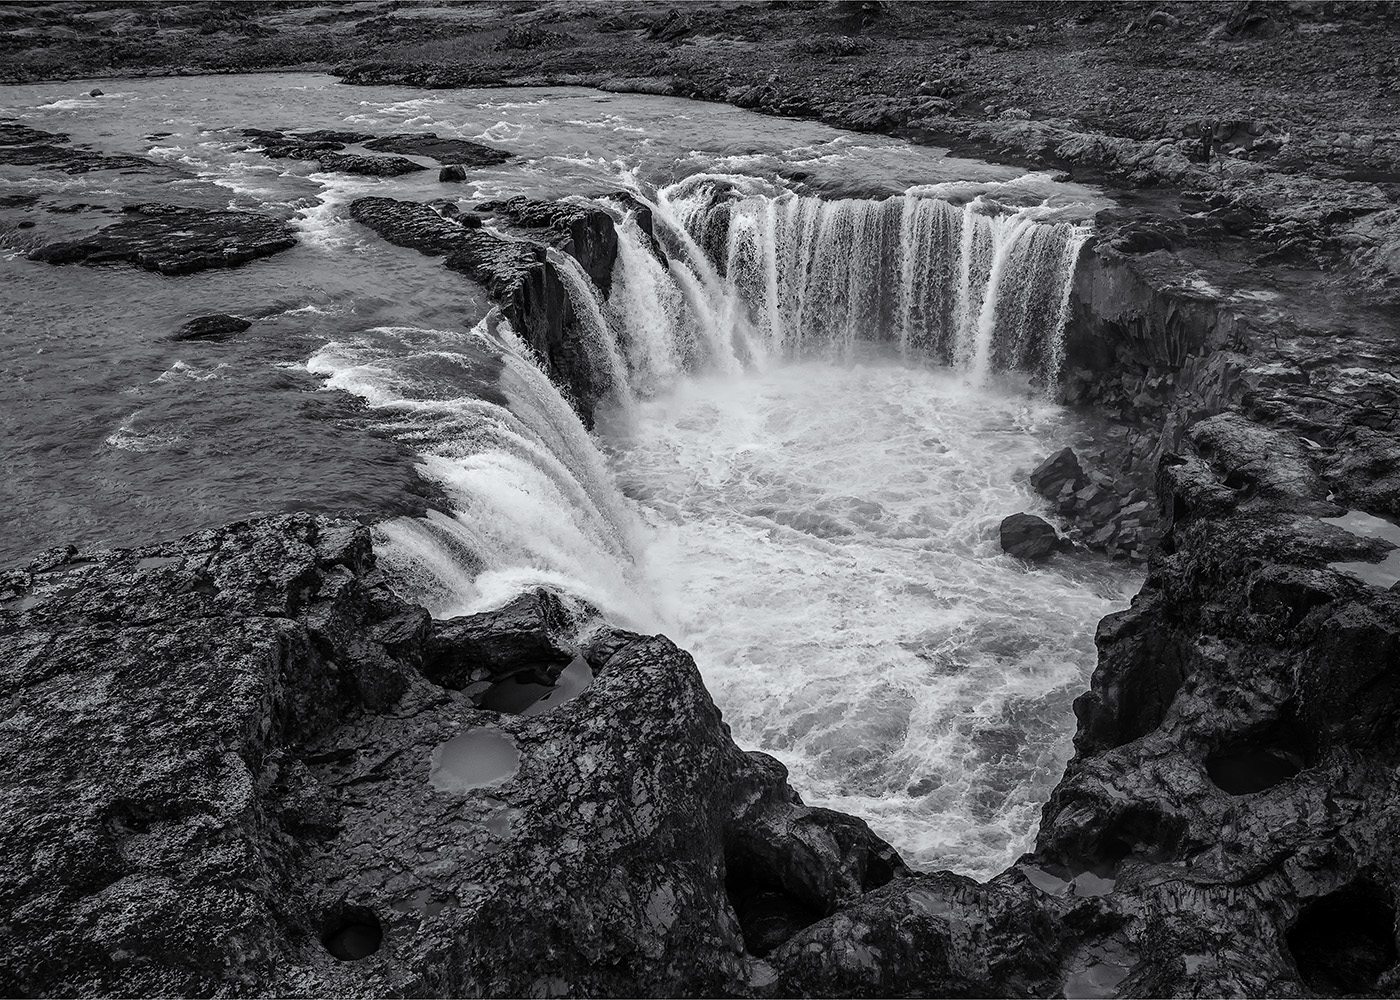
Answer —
1227 825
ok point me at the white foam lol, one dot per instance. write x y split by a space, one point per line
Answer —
825 544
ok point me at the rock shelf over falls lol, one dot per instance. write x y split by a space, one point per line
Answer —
709 278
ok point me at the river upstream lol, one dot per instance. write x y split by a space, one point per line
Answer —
826 395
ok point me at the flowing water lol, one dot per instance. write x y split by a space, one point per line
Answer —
826 389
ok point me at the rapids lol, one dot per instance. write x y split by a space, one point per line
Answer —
823 401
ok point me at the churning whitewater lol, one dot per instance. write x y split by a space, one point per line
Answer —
818 414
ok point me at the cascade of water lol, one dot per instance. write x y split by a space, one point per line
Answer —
532 500
600 341
647 309
768 274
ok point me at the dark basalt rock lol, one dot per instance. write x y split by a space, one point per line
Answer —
173 240
1236 749
528 640
219 326
1028 537
303 145
642 211
371 166
456 172
517 273
24 146
586 234
230 789
461 151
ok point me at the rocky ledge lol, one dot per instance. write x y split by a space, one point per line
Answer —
518 273
174 240
240 764
328 147
25 146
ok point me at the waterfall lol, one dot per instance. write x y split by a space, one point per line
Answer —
822 537
759 273
532 501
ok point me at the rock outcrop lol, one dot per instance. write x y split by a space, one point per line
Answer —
218 326
369 166
303 145
1028 537
25 146
459 151
227 770
520 278
586 234
1235 761
174 240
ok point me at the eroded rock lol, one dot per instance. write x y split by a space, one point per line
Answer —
174 240
1028 537
518 275
221 754
218 326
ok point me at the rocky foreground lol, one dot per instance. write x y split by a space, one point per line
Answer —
233 759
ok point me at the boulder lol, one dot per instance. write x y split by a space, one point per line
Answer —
173 240
1059 469
528 640
371 166
95 92
1028 537
455 172
219 326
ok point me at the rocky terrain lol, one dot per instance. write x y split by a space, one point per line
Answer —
234 759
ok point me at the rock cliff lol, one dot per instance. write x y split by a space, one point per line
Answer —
230 771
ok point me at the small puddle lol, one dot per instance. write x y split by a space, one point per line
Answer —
523 698
1244 771
155 562
1385 573
473 760
1099 980
1082 884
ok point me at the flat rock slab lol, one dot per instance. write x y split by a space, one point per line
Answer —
219 326
23 146
462 151
370 166
172 240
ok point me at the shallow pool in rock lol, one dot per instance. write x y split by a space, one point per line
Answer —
477 759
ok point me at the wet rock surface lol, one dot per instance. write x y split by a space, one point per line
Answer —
174 240
219 326
1028 537
518 275
284 836
25 146
370 166
463 152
